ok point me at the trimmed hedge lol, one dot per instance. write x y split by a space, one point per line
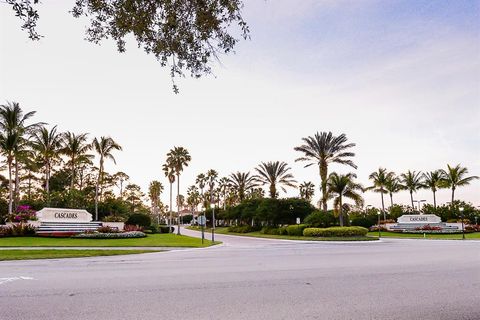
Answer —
296 230
139 219
242 229
97 235
336 232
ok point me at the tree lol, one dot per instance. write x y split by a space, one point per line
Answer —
155 189
322 149
120 177
186 35
104 148
380 179
393 185
433 180
223 188
134 195
75 147
307 189
456 177
241 183
13 138
343 186
275 173
193 198
412 180
48 145
211 176
200 181
170 174
178 158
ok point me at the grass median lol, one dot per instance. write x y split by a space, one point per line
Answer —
63 253
152 240
456 236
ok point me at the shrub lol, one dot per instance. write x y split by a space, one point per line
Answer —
472 228
23 214
97 235
241 229
320 219
365 222
296 230
18 230
113 218
139 219
165 229
282 231
270 230
129 227
428 227
375 228
335 232
107 229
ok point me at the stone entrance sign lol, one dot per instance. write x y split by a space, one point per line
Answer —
63 215
419 218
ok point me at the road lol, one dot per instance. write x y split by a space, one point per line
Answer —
248 278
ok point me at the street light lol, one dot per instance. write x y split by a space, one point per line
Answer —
379 231
463 226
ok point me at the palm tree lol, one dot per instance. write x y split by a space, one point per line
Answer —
307 189
211 176
380 179
170 174
412 180
241 183
47 144
104 148
193 198
343 186
456 177
13 138
178 157
155 189
433 181
392 186
322 149
273 173
223 188
200 181
75 147
120 177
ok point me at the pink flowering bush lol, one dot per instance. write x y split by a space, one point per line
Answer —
23 214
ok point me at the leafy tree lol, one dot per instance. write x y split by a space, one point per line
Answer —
134 196
455 177
178 158
307 189
241 183
433 181
343 186
380 180
322 149
412 181
104 148
275 173
185 35
120 177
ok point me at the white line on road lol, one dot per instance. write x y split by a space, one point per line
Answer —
11 279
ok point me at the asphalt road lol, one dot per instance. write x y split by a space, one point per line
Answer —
253 279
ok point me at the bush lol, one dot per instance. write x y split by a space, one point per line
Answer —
113 218
241 229
296 230
107 229
139 219
23 214
365 222
165 229
17 230
282 231
335 232
97 235
320 219
270 230
129 227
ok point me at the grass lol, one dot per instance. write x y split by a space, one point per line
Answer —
468 236
56 254
257 234
152 240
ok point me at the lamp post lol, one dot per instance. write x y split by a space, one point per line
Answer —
379 231
463 226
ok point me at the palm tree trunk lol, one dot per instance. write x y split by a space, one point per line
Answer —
178 204
273 191
383 205
323 178
434 201
10 187
391 199
340 210
17 184
411 199
453 195
73 173
96 201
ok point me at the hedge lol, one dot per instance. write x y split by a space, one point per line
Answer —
139 219
336 232
242 229
97 235
296 230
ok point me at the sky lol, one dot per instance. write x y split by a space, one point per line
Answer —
400 78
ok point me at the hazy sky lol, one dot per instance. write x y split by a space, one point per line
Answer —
400 78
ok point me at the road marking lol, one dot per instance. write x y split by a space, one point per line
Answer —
6 280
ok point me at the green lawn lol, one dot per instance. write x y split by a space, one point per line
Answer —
468 236
152 240
55 254
224 230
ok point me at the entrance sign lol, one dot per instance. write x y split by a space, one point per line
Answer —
63 215
419 218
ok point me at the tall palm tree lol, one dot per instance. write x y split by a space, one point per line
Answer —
380 179
120 177
193 198
343 186
212 176
47 144
241 183
275 173
322 149
433 181
456 177
104 148
178 157
170 175
307 190
412 180
155 189
223 188
75 147
200 181
393 185
14 132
